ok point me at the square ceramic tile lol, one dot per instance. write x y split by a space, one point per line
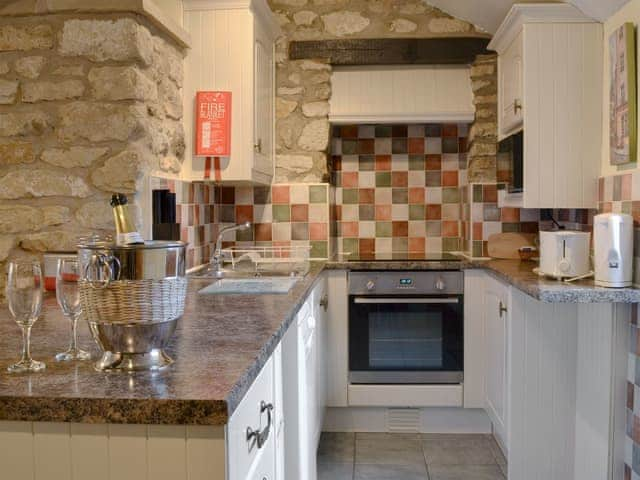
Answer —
299 194
434 244
434 195
383 196
367 179
400 162
400 212
319 212
366 131
450 162
349 213
281 231
367 229
417 228
244 196
416 178
433 145
383 244
383 146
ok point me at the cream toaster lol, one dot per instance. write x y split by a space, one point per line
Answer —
565 254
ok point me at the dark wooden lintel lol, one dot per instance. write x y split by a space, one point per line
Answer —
392 51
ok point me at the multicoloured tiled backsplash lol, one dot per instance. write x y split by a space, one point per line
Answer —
397 187
282 215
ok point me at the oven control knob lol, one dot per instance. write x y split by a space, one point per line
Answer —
371 285
440 284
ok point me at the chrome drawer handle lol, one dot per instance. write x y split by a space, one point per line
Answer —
261 436
503 309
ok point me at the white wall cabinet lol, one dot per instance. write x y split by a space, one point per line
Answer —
510 92
233 50
550 61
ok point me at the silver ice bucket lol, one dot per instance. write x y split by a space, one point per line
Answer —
132 297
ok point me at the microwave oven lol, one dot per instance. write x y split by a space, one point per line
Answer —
510 152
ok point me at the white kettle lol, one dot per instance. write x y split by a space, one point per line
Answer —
564 254
613 245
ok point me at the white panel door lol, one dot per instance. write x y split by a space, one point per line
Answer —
510 79
496 323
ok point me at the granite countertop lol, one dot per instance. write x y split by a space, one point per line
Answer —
220 346
516 273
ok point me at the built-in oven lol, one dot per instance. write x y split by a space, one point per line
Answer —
406 327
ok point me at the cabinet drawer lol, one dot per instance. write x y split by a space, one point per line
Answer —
244 452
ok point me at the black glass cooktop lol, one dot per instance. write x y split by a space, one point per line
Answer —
403 257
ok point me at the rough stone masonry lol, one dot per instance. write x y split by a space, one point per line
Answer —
89 104
304 87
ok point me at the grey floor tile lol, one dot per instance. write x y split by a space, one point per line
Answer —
458 450
336 447
335 471
390 472
392 449
465 472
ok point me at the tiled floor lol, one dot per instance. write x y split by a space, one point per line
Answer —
385 456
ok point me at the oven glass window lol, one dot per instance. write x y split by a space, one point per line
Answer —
400 335
412 342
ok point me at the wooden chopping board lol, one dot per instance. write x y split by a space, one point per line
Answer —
506 245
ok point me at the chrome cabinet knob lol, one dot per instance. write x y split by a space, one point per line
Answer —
502 309
324 302
440 285
370 285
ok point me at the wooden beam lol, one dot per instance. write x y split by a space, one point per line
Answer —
392 51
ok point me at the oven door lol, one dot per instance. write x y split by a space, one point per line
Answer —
405 339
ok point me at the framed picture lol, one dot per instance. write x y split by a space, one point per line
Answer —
623 131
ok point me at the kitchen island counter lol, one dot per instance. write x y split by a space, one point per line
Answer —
219 347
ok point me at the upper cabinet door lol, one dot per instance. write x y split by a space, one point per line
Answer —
263 102
233 50
511 87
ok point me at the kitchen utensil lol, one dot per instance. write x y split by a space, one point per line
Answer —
506 245
132 296
613 247
564 253
25 290
68 296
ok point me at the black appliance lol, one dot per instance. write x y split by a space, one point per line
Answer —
511 152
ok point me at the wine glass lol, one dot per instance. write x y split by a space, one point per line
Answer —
68 296
24 294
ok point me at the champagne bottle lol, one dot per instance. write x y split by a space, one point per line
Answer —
126 233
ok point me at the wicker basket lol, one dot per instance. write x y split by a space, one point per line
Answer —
134 301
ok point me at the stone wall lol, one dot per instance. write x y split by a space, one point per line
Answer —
303 87
483 137
89 104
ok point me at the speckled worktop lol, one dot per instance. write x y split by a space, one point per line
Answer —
517 273
219 347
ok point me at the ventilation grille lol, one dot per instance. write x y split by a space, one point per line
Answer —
403 420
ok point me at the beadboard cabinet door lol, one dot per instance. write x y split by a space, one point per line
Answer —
550 62
510 93
496 320
233 50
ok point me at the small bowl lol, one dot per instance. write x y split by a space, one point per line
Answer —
527 253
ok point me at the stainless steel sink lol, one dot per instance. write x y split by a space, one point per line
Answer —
254 285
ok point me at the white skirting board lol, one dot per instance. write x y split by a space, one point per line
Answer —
427 420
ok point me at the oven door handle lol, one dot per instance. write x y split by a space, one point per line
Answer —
374 301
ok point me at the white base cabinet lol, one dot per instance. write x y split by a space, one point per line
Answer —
555 383
64 451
